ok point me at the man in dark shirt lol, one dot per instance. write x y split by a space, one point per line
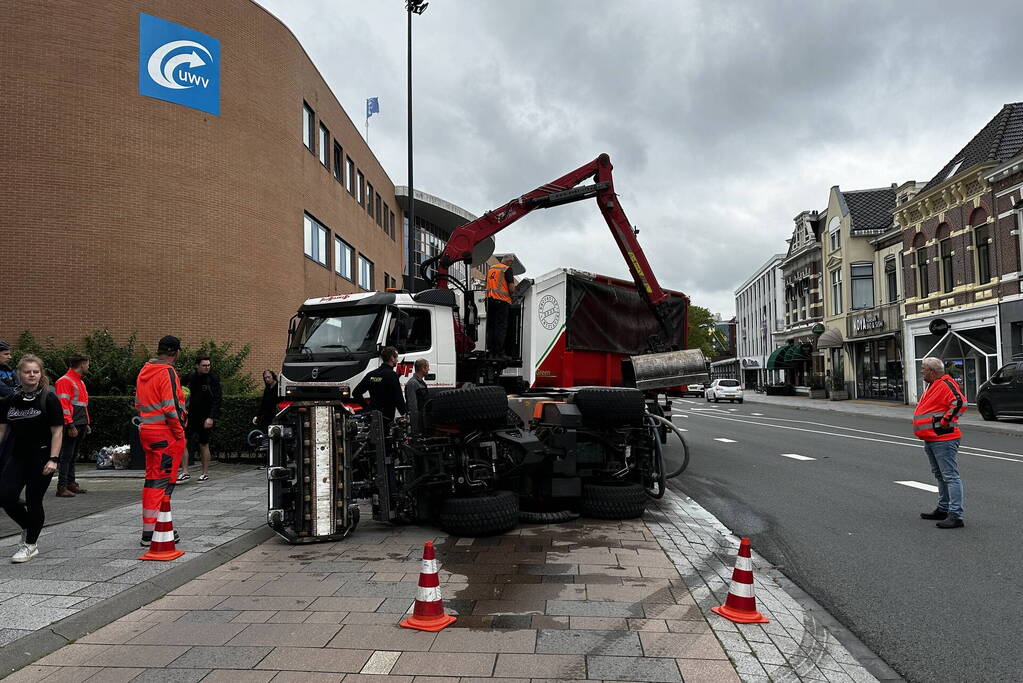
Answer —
8 377
383 386
416 393
204 398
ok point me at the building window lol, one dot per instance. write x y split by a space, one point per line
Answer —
365 273
350 176
892 279
383 221
343 258
836 292
308 119
835 233
369 199
862 276
921 273
360 188
390 218
315 240
946 265
324 145
338 161
980 238
379 216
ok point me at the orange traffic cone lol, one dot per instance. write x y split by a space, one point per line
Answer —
741 604
162 548
428 613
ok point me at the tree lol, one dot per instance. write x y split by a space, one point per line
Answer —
701 330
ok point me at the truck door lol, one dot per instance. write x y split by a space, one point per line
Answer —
425 338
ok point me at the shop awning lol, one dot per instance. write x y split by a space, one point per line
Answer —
776 360
797 353
831 339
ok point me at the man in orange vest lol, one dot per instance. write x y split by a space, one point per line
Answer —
74 401
936 423
498 303
160 403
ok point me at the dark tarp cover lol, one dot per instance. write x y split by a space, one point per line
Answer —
610 318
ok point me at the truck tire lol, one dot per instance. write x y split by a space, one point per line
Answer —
558 517
467 406
612 501
483 515
610 405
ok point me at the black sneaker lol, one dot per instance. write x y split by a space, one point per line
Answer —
937 514
950 522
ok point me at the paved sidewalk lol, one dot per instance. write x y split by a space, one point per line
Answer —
587 600
899 411
92 559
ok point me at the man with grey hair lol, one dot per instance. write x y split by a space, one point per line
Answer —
936 423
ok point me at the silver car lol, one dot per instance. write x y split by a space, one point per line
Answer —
724 389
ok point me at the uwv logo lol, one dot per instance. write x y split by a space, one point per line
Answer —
178 64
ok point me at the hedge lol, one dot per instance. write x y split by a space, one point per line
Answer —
111 422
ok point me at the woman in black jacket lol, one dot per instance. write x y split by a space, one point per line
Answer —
268 404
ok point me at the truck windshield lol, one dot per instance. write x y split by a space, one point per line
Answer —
353 331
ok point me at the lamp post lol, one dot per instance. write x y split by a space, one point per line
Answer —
412 7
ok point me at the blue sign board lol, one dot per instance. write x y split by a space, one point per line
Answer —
178 64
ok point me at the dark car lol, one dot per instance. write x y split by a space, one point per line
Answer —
1002 394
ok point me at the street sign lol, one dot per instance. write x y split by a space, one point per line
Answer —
818 329
178 64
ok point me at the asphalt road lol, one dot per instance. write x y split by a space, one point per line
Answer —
935 604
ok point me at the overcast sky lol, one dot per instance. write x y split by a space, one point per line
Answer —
723 119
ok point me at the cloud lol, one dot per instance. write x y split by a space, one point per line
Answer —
723 120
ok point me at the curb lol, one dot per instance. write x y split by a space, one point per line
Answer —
25 650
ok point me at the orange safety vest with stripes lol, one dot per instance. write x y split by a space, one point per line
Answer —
497 283
74 398
936 417
159 399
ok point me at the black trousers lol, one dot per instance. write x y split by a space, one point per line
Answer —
497 325
24 473
69 449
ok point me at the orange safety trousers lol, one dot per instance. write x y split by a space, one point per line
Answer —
163 457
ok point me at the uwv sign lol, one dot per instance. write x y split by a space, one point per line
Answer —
178 64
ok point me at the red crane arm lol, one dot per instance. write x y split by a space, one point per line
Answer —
564 190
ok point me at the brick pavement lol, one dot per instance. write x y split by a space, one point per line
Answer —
585 600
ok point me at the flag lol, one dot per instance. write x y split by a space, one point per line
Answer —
372 106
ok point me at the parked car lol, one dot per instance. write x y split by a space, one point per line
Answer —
1002 394
692 390
724 389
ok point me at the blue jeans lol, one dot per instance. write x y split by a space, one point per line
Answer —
942 456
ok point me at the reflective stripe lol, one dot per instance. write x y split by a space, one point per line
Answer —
150 514
152 419
163 536
429 567
939 413
428 595
154 406
744 563
64 396
743 590
79 403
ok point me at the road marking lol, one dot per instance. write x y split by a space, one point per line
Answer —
918 485
686 400
757 414
723 440
732 410
674 414
796 456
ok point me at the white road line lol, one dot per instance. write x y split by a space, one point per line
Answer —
686 400
732 410
858 438
674 414
796 456
918 485
757 414
723 440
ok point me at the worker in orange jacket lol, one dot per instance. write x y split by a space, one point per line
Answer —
74 401
498 304
936 423
160 403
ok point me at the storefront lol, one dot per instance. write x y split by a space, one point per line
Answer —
753 371
968 342
797 360
875 342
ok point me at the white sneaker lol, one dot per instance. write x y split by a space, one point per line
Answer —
26 551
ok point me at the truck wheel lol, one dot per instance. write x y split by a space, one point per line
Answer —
467 406
559 517
483 515
610 405
612 501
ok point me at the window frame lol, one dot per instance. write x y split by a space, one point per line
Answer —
835 280
891 279
338 160
340 246
308 127
835 234
853 278
318 247
323 138
360 188
363 285
983 251
379 202
369 198
349 175
923 280
947 273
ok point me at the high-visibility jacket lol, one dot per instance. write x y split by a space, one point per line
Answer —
938 410
159 399
497 283
74 398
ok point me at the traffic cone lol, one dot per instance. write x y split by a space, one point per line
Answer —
741 604
162 548
428 613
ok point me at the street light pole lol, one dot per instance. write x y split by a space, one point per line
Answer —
412 7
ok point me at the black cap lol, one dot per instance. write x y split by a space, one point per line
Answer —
4 345
169 343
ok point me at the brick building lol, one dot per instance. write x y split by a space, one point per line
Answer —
794 341
130 212
961 257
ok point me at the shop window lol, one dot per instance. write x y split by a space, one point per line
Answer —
947 279
338 161
862 276
350 176
308 120
324 145
892 279
315 240
365 273
343 253
981 234
836 292
921 273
